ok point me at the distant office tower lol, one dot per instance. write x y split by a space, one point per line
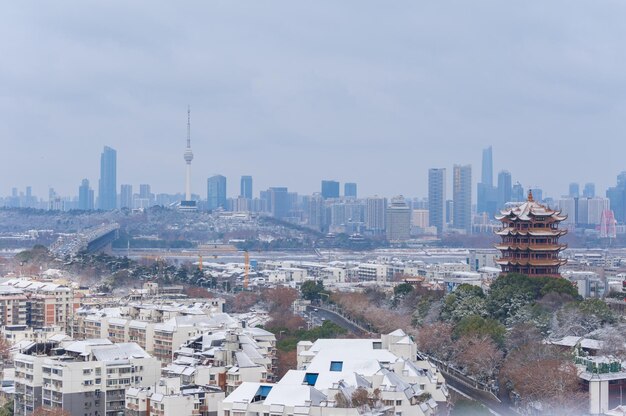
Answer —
589 191
487 167
146 199
85 196
419 218
568 206
279 202
315 211
574 190
462 197
375 214
107 187
617 197
437 198
398 220
504 188
246 187
330 189
349 190
126 196
517 193
216 192
144 191
487 195
595 207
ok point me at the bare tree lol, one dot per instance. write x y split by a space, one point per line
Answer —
541 373
479 355
435 339
50 411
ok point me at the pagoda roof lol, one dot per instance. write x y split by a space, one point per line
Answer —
535 232
531 262
528 210
530 247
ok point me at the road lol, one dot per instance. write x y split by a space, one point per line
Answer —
318 315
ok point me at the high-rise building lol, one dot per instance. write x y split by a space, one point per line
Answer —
375 214
522 251
617 197
398 220
589 191
462 197
487 195
595 207
517 193
568 206
107 187
246 187
126 196
315 211
574 190
216 192
486 176
85 196
330 189
349 190
279 201
437 198
504 188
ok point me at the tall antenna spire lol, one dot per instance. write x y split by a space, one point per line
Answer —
188 126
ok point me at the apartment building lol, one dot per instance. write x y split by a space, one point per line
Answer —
36 304
83 377
169 397
146 326
226 358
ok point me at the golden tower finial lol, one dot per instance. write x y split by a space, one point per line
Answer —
530 195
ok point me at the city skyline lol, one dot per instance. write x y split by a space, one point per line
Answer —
430 86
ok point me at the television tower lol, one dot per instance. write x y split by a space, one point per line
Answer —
188 157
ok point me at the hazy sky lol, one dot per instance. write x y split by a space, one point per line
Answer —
293 92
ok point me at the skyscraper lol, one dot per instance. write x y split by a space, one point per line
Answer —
487 195
504 188
398 220
216 192
375 214
279 201
126 196
574 190
462 197
349 190
107 186
589 191
437 198
517 193
85 196
330 189
486 176
246 187
617 197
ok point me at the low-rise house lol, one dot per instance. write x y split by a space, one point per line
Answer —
348 377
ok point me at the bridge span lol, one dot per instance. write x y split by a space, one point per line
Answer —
90 240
